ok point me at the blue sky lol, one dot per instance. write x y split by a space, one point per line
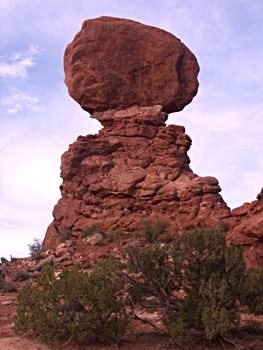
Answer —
39 119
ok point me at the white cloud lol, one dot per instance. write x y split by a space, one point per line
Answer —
19 101
29 186
30 155
6 6
18 64
227 144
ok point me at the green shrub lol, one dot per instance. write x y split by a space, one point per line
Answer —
212 276
35 247
7 287
90 230
153 280
38 256
79 305
4 260
152 229
64 234
252 290
114 234
197 283
13 259
21 275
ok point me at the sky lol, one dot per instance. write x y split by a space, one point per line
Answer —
38 119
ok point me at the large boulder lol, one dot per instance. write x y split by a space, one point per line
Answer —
115 63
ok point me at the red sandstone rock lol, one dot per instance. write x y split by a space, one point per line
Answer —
134 169
129 76
246 230
118 63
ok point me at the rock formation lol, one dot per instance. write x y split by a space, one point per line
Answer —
129 76
118 63
246 230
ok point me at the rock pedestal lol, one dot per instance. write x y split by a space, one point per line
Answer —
136 168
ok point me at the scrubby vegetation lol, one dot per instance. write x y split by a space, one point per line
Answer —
196 284
21 276
90 230
64 235
35 247
7 287
152 230
86 306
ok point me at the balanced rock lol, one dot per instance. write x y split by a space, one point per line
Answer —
130 76
115 63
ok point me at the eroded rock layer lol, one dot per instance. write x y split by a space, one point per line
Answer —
246 230
136 168
118 63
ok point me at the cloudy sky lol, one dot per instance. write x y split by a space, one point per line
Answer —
38 119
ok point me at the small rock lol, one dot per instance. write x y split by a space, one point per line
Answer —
48 260
9 302
61 249
95 239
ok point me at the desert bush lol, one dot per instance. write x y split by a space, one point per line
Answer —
13 259
21 275
152 229
4 260
252 291
79 305
35 247
153 279
212 276
114 234
7 287
90 230
197 283
64 234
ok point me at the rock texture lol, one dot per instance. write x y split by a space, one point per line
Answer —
136 168
119 63
246 230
